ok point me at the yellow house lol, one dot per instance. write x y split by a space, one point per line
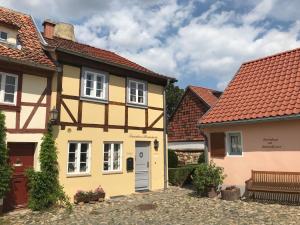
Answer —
25 94
110 129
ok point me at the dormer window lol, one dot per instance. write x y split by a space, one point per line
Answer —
3 36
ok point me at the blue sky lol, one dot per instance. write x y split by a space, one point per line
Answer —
200 42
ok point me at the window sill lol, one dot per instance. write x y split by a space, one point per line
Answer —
137 105
96 100
78 175
111 172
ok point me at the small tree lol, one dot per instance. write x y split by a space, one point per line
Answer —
44 188
172 159
173 96
5 168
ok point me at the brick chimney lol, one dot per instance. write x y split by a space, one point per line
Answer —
49 28
61 30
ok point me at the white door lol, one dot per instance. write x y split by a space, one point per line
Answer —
142 165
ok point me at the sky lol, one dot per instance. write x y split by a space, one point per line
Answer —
199 42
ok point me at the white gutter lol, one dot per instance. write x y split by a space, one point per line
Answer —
42 40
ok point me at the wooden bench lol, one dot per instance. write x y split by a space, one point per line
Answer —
275 186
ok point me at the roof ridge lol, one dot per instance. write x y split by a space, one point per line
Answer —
271 56
15 11
210 89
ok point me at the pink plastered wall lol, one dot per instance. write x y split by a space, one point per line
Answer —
269 146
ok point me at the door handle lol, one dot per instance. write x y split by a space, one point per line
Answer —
147 164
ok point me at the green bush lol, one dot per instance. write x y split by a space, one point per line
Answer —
178 176
44 188
201 158
172 159
207 175
5 168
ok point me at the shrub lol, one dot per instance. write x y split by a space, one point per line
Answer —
172 159
44 188
178 176
201 158
207 175
5 168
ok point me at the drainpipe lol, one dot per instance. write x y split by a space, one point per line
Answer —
165 141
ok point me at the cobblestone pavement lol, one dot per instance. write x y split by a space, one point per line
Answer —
173 206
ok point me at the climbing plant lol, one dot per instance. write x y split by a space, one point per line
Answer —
5 168
44 188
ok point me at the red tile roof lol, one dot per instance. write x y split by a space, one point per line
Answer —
103 55
193 105
31 51
209 96
267 87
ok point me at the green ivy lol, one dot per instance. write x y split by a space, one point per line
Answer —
207 175
44 188
5 168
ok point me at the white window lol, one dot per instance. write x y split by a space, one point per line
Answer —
137 92
8 85
234 143
3 36
112 157
94 85
79 157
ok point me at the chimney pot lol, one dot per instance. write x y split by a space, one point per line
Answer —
49 29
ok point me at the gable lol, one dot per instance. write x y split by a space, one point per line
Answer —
183 123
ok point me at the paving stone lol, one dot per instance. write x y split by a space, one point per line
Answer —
174 206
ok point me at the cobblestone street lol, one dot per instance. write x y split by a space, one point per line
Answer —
174 206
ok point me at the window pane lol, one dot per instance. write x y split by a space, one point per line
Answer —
84 147
88 91
132 91
132 85
132 98
9 88
71 167
106 163
72 157
89 84
3 35
9 98
99 93
141 86
141 100
116 159
105 166
235 144
83 167
10 80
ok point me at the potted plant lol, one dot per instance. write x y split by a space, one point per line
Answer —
207 179
5 168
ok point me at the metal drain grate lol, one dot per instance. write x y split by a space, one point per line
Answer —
145 207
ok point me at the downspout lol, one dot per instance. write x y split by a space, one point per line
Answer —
165 139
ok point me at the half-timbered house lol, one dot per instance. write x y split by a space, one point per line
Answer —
25 91
111 123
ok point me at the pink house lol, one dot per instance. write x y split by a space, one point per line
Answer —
256 123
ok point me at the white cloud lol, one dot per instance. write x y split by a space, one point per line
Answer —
167 37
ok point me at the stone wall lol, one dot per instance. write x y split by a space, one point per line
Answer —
186 157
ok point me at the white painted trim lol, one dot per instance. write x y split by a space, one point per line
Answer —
227 143
2 88
145 92
111 171
77 159
186 145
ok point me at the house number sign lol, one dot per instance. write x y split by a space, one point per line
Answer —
271 143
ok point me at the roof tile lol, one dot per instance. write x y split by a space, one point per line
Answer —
266 87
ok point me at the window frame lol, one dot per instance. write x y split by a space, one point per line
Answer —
120 170
145 92
95 73
4 40
77 163
228 144
2 88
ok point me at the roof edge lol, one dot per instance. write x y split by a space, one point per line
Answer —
26 63
249 121
172 79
